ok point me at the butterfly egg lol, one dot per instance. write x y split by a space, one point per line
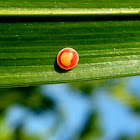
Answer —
67 58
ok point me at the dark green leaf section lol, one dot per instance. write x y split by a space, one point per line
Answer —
28 51
70 4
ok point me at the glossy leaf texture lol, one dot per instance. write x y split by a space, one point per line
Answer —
108 45
68 7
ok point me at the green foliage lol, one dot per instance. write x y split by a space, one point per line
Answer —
62 7
31 99
107 49
106 35
27 97
92 129
87 87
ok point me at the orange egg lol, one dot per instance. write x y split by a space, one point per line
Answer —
67 58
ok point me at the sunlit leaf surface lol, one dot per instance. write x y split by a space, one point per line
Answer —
105 34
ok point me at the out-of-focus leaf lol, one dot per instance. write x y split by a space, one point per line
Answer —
92 129
28 97
87 87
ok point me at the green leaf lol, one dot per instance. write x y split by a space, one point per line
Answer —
108 46
65 7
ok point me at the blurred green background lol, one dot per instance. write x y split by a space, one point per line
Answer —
95 110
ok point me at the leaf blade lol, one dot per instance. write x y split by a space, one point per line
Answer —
107 49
